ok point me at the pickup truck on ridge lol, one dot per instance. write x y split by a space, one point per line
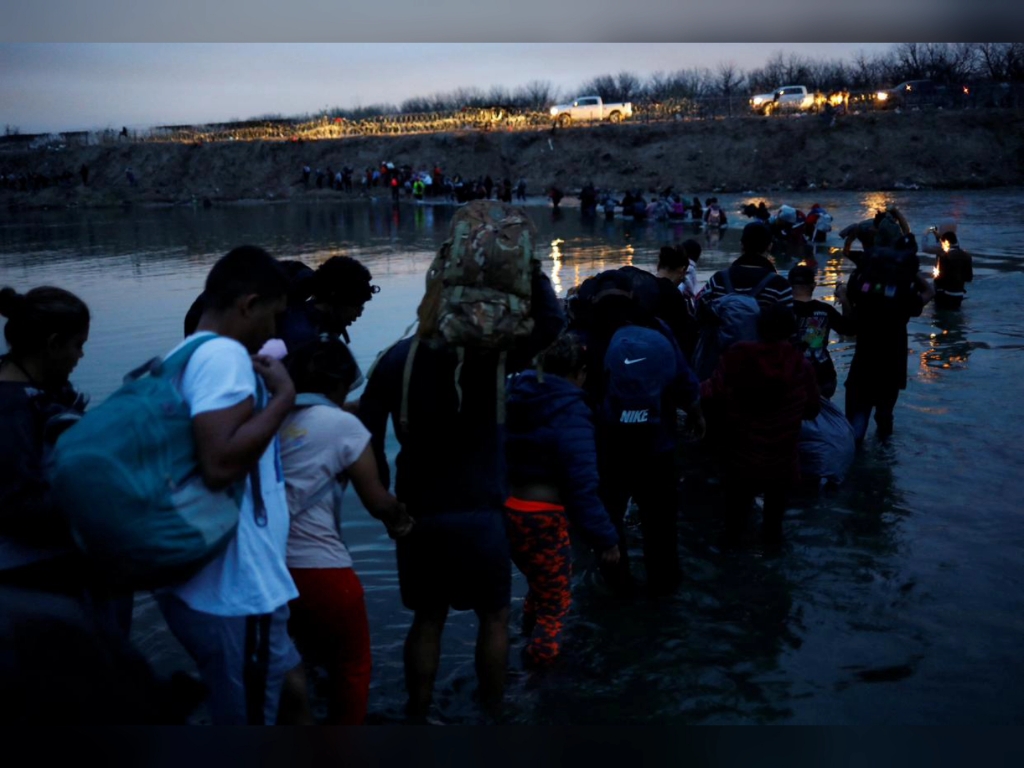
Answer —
788 98
590 109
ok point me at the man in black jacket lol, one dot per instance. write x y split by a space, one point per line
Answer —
450 473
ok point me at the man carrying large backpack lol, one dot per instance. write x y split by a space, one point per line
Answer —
886 290
488 310
729 304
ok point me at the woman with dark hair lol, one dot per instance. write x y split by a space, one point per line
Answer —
45 332
322 449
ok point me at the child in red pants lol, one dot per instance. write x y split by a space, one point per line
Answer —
323 447
552 465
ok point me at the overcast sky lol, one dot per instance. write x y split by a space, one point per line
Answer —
86 86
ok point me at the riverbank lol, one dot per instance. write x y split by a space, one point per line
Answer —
876 151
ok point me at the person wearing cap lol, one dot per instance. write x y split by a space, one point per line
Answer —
815 320
338 291
746 272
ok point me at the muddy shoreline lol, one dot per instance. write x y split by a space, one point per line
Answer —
931 149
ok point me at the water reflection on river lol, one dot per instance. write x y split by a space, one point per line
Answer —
900 598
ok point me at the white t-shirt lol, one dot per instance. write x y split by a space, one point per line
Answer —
250 577
318 443
689 285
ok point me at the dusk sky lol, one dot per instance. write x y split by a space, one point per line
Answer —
87 86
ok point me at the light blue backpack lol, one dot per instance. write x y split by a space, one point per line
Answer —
128 480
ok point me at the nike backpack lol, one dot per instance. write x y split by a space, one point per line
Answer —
639 365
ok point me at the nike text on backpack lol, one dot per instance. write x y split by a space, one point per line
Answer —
128 480
479 290
736 316
638 365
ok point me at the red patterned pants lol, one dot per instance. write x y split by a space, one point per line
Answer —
539 537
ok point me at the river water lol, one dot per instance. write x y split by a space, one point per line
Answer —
899 598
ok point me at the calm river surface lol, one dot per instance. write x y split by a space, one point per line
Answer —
900 598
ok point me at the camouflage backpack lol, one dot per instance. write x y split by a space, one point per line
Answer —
479 284
479 287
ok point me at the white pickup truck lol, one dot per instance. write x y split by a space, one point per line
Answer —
590 109
788 98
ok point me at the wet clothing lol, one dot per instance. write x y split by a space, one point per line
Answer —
815 320
330 628
879 367
765 390
955 270
457 560
328 619
551 441
860 400
241 659
538 535
739 500
450 470
715 217
637 459
878 370
649 478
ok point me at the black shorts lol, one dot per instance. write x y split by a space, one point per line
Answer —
459 560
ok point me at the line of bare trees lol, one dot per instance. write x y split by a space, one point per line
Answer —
948 63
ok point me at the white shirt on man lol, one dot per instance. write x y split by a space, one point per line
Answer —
250 577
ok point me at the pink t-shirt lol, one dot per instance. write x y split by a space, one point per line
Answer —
318 443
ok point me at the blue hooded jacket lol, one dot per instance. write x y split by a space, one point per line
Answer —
550 439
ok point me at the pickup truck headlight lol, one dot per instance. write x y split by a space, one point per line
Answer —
757 101
554 111
881 95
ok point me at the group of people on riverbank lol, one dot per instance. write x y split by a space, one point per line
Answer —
519 417
424 184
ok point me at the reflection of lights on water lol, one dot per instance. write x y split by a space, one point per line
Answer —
556 257
875 201
629 255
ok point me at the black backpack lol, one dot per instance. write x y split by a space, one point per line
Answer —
885 278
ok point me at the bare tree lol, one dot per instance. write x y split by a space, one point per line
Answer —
628 86
537 94
603 86
728 78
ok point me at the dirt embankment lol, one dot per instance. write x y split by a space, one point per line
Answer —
933 149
